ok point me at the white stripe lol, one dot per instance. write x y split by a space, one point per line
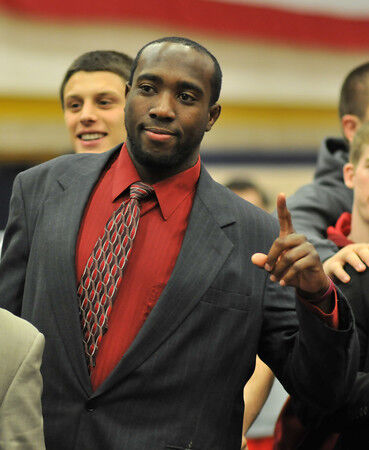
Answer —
343 8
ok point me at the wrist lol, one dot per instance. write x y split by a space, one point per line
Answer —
316 297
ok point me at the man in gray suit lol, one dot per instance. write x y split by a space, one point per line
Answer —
21 347
190 311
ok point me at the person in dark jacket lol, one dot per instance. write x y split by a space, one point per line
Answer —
318 205
347 428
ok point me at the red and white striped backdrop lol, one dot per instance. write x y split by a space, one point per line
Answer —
324 23
283 62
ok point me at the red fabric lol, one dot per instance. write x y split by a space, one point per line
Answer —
225 18
332 317
288 430
157 244
338 233
265 443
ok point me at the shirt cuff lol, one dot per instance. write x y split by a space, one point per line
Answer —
331 318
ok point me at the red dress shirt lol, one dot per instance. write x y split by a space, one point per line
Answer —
161 229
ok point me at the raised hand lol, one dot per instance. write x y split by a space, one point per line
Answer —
292 260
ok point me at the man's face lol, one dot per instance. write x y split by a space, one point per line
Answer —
94 110
358 180
168 108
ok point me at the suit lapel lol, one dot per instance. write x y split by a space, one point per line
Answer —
204 250
64 212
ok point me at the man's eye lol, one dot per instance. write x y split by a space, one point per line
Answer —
146 88
74 105
187 98
104 102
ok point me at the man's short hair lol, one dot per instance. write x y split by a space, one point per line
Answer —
98 61
216 83
360 140
354 97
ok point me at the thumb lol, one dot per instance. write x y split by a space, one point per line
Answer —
259 259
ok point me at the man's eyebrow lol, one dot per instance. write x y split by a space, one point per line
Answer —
180 85
149 77
106 93
190 86
96 94
72 96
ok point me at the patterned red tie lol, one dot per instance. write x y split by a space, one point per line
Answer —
104 270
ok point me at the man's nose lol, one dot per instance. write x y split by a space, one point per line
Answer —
88 113
163 107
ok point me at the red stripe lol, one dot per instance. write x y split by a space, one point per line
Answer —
232 19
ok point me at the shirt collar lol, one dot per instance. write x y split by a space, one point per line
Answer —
169 192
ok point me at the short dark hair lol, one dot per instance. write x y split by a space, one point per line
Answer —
354 97
238 184
98 60
217 75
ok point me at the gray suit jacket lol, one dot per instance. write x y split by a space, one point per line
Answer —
21 347
180 384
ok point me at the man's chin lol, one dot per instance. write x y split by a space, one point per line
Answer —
155 159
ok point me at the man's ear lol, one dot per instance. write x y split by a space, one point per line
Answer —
214 112
128 88
350 124
348 175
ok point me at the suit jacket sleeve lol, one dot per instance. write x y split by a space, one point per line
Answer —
356 410
15 253
297 361
21 422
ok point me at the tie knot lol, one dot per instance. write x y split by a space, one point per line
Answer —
140 190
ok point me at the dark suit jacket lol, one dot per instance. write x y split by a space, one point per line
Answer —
350 423
353 419
180 384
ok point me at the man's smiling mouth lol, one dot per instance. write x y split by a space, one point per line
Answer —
91 136
159 134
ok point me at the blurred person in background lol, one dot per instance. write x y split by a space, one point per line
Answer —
318 205
92 95
346 428
263 395
21 348
250 191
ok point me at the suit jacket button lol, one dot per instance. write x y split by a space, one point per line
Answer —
89 407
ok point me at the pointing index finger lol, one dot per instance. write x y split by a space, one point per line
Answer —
284 216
